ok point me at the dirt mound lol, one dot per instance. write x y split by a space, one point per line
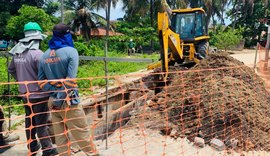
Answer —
218 98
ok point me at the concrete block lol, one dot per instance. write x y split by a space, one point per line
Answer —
199 142
217 144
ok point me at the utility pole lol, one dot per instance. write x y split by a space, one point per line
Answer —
62 11
108 12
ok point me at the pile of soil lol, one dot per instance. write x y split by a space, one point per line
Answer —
218 98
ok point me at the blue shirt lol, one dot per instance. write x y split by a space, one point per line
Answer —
59 64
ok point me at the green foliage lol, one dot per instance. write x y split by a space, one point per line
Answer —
44 44
27 14
141 35
226 38
4 89
69 16
118 43
249 18
4 17
96 45
83 50
51 7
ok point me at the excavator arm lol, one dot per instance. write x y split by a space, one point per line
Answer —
168 40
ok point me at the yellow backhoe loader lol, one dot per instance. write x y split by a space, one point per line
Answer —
183 36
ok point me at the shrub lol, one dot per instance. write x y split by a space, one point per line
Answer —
83 50
226 38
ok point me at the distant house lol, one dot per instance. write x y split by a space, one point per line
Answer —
101 32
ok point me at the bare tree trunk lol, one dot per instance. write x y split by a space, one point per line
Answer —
86 31
214 23
236 14
222 13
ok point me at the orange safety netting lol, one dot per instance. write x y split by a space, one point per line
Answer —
203 111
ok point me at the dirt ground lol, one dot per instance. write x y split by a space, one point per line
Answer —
141 137
246 56
224 103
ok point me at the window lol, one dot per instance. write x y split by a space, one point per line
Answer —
200 28
183 24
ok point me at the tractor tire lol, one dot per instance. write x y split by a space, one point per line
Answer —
203 49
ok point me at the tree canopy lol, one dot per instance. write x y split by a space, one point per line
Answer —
80 13
15 24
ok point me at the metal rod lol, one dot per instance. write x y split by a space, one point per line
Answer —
256 53
116 59
106 66
9 103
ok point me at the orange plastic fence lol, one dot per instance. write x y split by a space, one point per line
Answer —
221 111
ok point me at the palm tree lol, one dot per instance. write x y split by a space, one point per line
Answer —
245 6
85 19
212 8
139 8
135 9
223 6
176 4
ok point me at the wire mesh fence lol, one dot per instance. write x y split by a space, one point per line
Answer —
223 110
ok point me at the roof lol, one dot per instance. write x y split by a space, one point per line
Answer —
99 32
188 10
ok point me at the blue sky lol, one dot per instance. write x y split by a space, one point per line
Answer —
116 12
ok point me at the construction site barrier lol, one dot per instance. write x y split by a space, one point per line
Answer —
203 111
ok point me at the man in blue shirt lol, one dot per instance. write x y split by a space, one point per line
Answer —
60 64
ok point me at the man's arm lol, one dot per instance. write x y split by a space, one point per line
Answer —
45 86
12 69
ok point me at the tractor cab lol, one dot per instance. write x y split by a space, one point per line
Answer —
189 24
